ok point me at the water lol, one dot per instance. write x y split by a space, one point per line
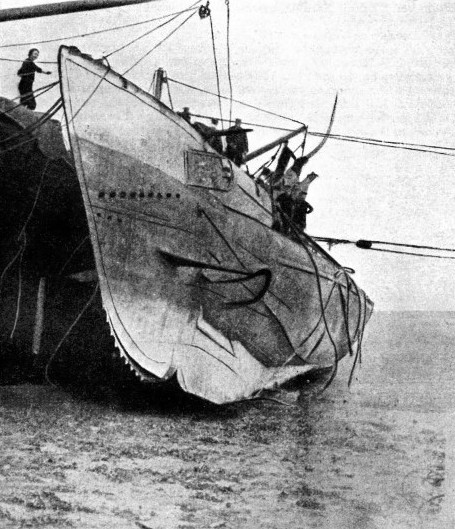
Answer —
377 455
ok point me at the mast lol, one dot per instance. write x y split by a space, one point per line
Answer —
273 144
63 8
158 80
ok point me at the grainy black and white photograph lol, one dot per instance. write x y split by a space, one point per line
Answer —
227 256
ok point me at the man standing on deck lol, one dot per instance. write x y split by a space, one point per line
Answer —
27 74
301 208
237 143
185 114
215 141
291 197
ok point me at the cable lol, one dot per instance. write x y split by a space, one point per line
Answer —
23 235
8 266
363 243
38 192
268 163
216 67
367 245
345 307
361 331
17 145
42 91
74 252
40 121
333 373
152 30
299 237
19 290
285 129
159 43
82 35
75 322
235 100
33 139
228 48
411 253
339 137
22 60
380 143
90 96
420 247
388 142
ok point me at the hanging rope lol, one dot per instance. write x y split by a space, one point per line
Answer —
216 67
75 322
22 238
345 306
268 163
38 192
19 289
78 247
323 306
298 235
228 49
362 322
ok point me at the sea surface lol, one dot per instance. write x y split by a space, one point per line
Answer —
378 454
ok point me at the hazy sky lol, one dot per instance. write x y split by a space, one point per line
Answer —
389 61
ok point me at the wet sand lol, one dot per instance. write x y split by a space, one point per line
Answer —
377 455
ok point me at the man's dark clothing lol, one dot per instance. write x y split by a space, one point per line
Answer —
27 74
207 133
237 145
291 212
216 142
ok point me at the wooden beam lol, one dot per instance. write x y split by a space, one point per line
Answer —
273 144
63 8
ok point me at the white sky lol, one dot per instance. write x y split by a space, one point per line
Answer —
389 61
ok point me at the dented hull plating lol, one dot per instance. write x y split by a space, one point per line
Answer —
194 281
